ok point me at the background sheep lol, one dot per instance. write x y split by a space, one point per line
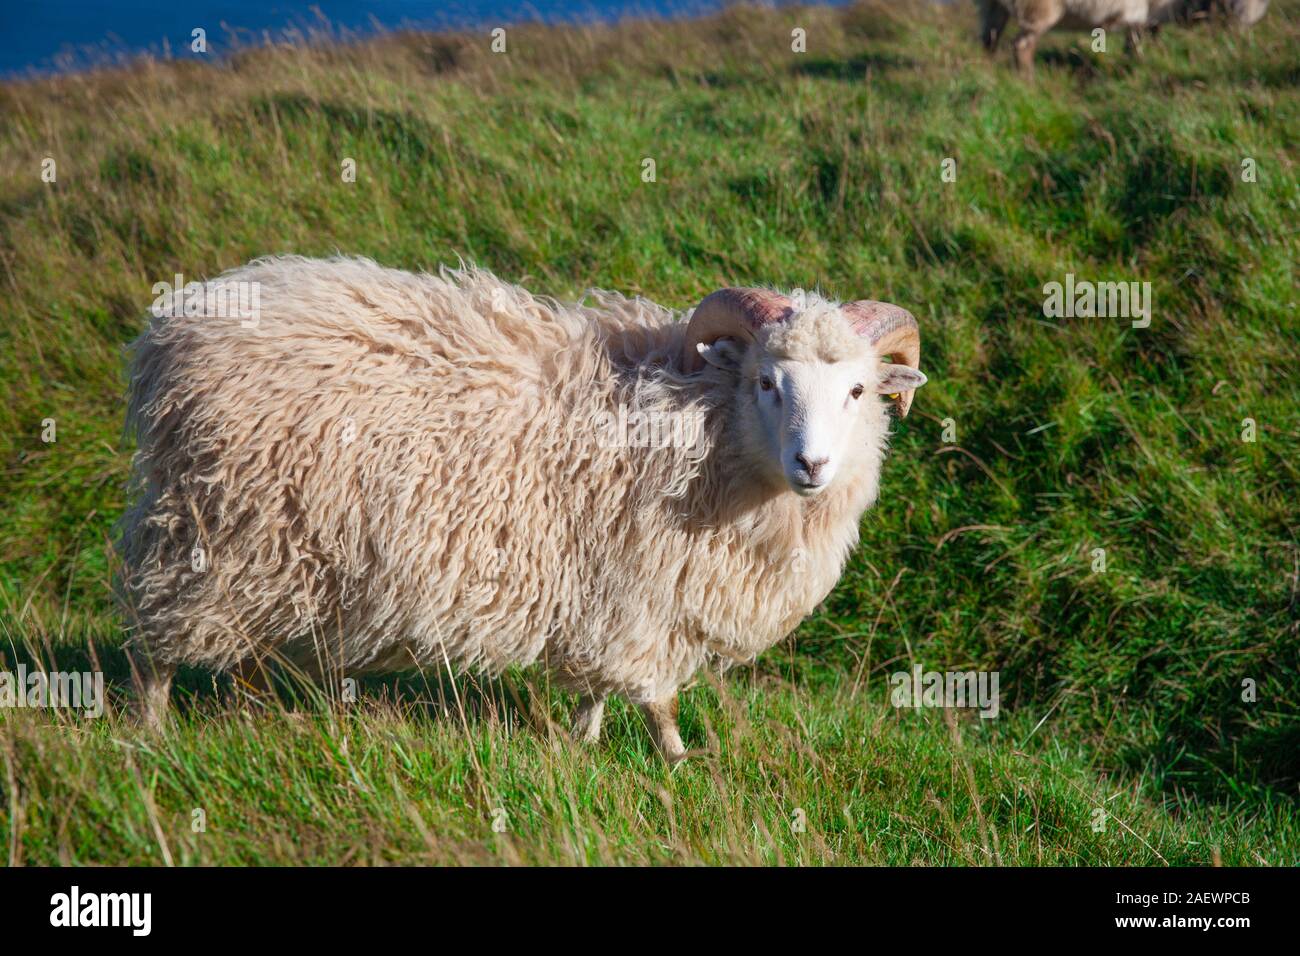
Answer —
394 469
1036 17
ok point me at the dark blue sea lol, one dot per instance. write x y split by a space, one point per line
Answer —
53 35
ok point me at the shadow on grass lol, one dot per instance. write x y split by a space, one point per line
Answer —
855 67
1115 64
436 696
1259 762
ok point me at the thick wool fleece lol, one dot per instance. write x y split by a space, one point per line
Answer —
394 470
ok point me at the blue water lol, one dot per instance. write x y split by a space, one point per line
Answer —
39 36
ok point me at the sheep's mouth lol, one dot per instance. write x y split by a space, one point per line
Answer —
807 489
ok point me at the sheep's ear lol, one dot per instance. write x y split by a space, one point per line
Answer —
724 353
895 378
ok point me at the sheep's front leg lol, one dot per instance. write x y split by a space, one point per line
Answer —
586 721
154 687
662 717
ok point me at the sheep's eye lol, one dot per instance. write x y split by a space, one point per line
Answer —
765 384
856 391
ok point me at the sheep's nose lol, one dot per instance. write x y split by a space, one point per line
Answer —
811 465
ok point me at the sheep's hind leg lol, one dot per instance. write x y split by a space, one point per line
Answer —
662 717
586 720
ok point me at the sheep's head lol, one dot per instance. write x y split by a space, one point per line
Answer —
807 378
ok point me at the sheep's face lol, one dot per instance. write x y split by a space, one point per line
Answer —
807 401
809 414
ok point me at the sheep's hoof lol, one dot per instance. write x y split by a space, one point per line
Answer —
675 757
661 715
149 720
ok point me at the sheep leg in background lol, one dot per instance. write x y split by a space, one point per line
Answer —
154 688
662 717
1035 18
586 720
993 20
1026 44
1133 41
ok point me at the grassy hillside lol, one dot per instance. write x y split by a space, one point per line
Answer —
1122 689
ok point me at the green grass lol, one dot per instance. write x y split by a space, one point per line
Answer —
1121 690
808 775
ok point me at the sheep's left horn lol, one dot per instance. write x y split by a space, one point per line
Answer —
731 312
893 331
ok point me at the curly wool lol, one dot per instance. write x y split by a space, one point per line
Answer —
395 470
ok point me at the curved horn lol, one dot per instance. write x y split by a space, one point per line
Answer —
734 312
894 333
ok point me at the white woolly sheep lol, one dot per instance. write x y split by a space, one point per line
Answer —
1036 17
388 470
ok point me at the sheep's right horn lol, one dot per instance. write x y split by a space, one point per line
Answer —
894 333
731 312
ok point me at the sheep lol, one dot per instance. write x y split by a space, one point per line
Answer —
1036 17
391 470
